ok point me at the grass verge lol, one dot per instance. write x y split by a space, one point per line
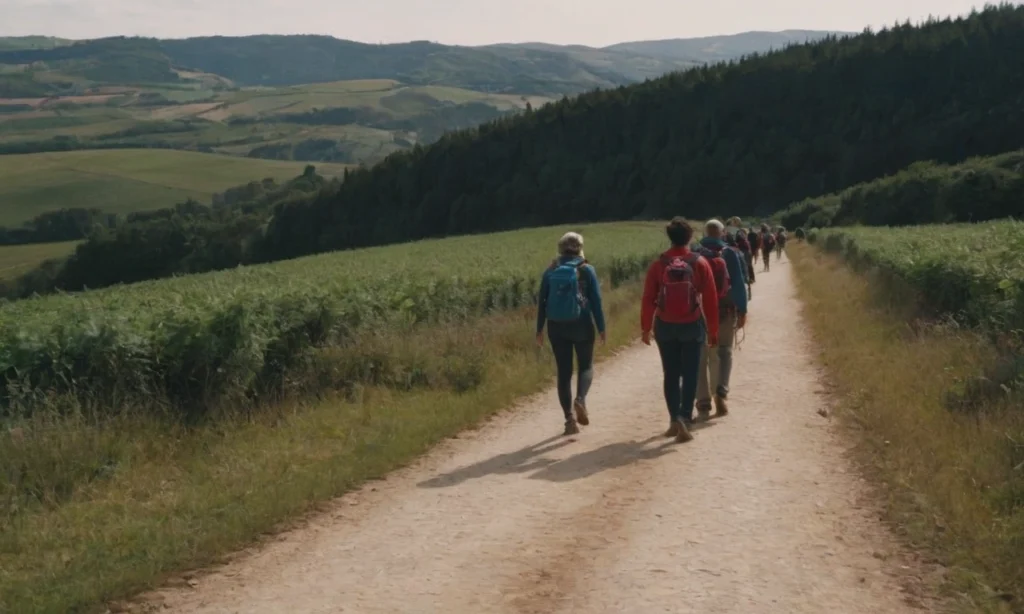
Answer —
954 478
166 498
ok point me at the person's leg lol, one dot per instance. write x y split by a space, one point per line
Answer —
689 366
726 339
584 377
562 348
705 380
671 357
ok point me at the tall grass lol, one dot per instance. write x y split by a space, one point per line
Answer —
950 454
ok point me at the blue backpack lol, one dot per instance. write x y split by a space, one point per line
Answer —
565 301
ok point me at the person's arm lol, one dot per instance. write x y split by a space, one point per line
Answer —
594 298
709 298
738 277
542 303
650 300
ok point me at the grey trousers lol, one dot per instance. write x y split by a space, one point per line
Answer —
716 364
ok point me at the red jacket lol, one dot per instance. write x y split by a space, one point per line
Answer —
704 279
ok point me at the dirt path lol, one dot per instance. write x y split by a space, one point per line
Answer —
761 513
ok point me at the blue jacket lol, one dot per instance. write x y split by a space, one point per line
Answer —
737 272
593 309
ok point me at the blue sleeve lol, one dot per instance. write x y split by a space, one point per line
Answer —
594 299
542 303
737 291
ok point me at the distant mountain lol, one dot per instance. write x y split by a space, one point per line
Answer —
632 67
534 68
710 49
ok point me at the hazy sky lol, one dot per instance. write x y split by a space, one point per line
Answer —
470 22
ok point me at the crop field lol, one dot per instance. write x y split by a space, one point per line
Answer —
233 334
126 180
974 272
18 259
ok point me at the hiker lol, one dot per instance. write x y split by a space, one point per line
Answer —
755 245
728 266
780 243
767 245
742 242
570 303
680 302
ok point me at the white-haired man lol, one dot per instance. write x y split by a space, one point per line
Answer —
729 267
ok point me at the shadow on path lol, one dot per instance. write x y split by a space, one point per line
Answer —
520 461
611 456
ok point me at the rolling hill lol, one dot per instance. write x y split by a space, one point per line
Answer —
272 60
123 181
748 137
305 98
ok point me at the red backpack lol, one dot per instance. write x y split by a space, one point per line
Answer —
679 301
718 266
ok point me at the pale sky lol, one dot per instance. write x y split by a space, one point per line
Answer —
465 22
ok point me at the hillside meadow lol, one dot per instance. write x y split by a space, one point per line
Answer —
229 402
126 180
16 260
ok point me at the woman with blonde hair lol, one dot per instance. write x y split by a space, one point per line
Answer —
570 303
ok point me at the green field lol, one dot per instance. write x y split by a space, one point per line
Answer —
384 116
973 272
225 329
18 259
122 181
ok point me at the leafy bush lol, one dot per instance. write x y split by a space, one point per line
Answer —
977 190
973 272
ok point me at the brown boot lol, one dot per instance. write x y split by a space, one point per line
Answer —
683 435
721 406
673 429
581 412
571 428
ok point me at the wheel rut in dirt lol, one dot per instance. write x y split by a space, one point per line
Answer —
762 512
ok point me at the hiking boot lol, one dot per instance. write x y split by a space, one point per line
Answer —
721 406
571 428
673 429
683 435
581 412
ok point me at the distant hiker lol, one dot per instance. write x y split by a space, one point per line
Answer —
780 242
767 245
681 303
570 303
755 245
728 266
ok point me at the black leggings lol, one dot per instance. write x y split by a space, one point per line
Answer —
680 362
566 339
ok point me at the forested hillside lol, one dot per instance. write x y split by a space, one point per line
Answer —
746 137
